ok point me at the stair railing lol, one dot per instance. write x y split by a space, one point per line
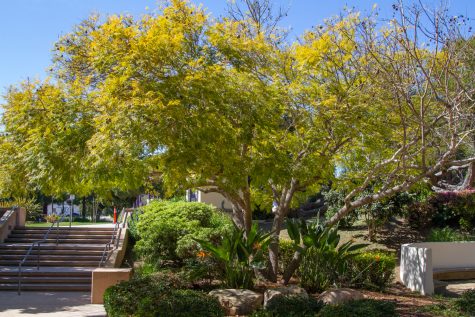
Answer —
38 243
115 238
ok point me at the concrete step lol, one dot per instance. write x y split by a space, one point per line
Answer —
32 262
80 228
44 256
53 246
52 235
63 232
44 280
47 287
46 272
51 252
62 241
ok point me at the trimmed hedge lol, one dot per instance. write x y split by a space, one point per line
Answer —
165 229
372 270
158 295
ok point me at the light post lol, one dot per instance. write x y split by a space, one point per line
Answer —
71 199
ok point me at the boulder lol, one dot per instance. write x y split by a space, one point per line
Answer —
339 296
238 301
291 290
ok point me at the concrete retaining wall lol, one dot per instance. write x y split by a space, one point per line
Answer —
11 219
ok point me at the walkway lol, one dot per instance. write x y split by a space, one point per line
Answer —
51 304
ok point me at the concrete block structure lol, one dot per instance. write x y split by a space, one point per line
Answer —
422 262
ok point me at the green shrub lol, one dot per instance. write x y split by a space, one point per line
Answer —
132 224
372 270
325 260
360 308
286 253
239 255
453 209
446 234
181 303
158 294
166 229
282 306
466 303
122 299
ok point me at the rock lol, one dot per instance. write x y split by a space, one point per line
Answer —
339 296
238 301
283 291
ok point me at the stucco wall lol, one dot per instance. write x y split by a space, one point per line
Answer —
419 260
215 199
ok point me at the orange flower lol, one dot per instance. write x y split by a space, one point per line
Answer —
377 258
257 246
201 254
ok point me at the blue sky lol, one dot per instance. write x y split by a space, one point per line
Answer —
29 28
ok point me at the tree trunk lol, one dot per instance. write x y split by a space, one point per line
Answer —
238 218
292 267
83 211
274 245
469 180
282 210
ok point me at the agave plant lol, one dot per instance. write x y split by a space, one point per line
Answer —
325 260
240 255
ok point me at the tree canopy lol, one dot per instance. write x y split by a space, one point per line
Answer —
233 106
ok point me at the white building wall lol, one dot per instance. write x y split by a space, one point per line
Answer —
215 199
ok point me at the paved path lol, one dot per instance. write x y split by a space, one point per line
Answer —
51 304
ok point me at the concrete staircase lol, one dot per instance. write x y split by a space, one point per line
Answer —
66 266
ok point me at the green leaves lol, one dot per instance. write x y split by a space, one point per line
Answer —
240 254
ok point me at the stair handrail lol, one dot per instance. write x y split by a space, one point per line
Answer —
38 242
115 237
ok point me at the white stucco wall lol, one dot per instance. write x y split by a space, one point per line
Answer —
419 260
215 199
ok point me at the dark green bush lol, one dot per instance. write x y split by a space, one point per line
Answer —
123 299
158 294
181 303
360 308
325 261
372 270
466 303
453 209
166 229
286 252
282 306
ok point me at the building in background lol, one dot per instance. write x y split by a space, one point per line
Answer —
215 199
57 209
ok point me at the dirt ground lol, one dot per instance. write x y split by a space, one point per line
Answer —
408 303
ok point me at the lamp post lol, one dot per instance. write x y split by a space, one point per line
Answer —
71 199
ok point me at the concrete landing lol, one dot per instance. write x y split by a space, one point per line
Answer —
51 304
456 288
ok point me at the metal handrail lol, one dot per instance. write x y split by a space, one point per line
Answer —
38 242
115 238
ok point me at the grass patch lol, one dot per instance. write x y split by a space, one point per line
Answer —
459 307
